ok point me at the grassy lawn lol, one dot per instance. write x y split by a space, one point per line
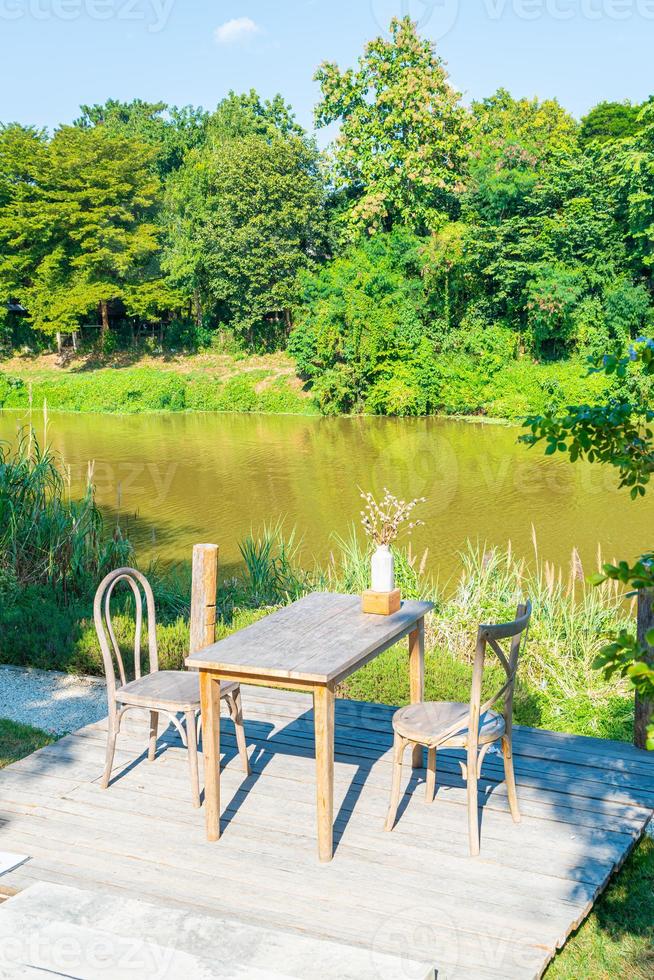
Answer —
17 741
128 383
617 939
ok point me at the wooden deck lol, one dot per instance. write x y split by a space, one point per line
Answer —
585 802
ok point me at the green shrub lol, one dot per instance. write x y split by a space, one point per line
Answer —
511 393
11 388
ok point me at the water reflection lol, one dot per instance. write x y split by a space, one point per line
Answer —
178 479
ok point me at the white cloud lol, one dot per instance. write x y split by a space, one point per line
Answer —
235 30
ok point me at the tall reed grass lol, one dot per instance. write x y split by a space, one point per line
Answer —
570 624
46 538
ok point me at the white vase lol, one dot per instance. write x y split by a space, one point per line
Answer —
382 568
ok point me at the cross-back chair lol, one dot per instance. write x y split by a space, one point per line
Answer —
473 727
174 693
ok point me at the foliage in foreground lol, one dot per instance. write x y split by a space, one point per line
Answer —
46 538
619 434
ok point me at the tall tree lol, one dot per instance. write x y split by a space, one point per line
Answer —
399 154
169 130
609 121
246 217
77 230
247 114
629 164
542 236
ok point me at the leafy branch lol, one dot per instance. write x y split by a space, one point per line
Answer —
619 434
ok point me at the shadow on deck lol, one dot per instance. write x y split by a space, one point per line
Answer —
584 803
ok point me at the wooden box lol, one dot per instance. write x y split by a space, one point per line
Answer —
381 603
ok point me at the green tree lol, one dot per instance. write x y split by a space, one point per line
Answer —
629 165
247 114
399 155
360 336
609 121
543 242
246 217
169 130
22 154
76 230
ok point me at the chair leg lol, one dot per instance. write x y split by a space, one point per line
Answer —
192 746
399 745
111 749
473 812
236 711
509 776
154 727
431 775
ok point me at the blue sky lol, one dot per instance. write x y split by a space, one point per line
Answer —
59 53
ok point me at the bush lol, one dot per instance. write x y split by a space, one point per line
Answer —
188 336
523 383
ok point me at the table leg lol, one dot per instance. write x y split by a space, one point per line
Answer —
210 702
323 712
417 677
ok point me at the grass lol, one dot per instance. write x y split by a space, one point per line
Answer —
617 939
17 741
126 384
45 537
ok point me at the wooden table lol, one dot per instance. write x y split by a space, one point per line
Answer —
310 645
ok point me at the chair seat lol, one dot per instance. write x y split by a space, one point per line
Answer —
427 723
176 690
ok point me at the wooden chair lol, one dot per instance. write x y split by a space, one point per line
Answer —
474 727
170 692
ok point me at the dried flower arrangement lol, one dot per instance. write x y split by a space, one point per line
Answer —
383 520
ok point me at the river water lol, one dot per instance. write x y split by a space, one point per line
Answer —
177 479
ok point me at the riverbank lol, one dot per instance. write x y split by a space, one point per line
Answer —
129 383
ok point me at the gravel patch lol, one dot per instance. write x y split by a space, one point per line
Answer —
52 701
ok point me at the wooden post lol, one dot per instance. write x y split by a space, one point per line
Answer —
203 596
417 678
644 714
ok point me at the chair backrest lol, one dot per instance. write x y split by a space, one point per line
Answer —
491 636
111 654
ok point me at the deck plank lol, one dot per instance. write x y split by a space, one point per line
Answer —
585 803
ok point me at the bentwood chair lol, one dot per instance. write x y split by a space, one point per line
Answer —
473 727
173 693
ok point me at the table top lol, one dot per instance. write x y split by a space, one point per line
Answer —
320 639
